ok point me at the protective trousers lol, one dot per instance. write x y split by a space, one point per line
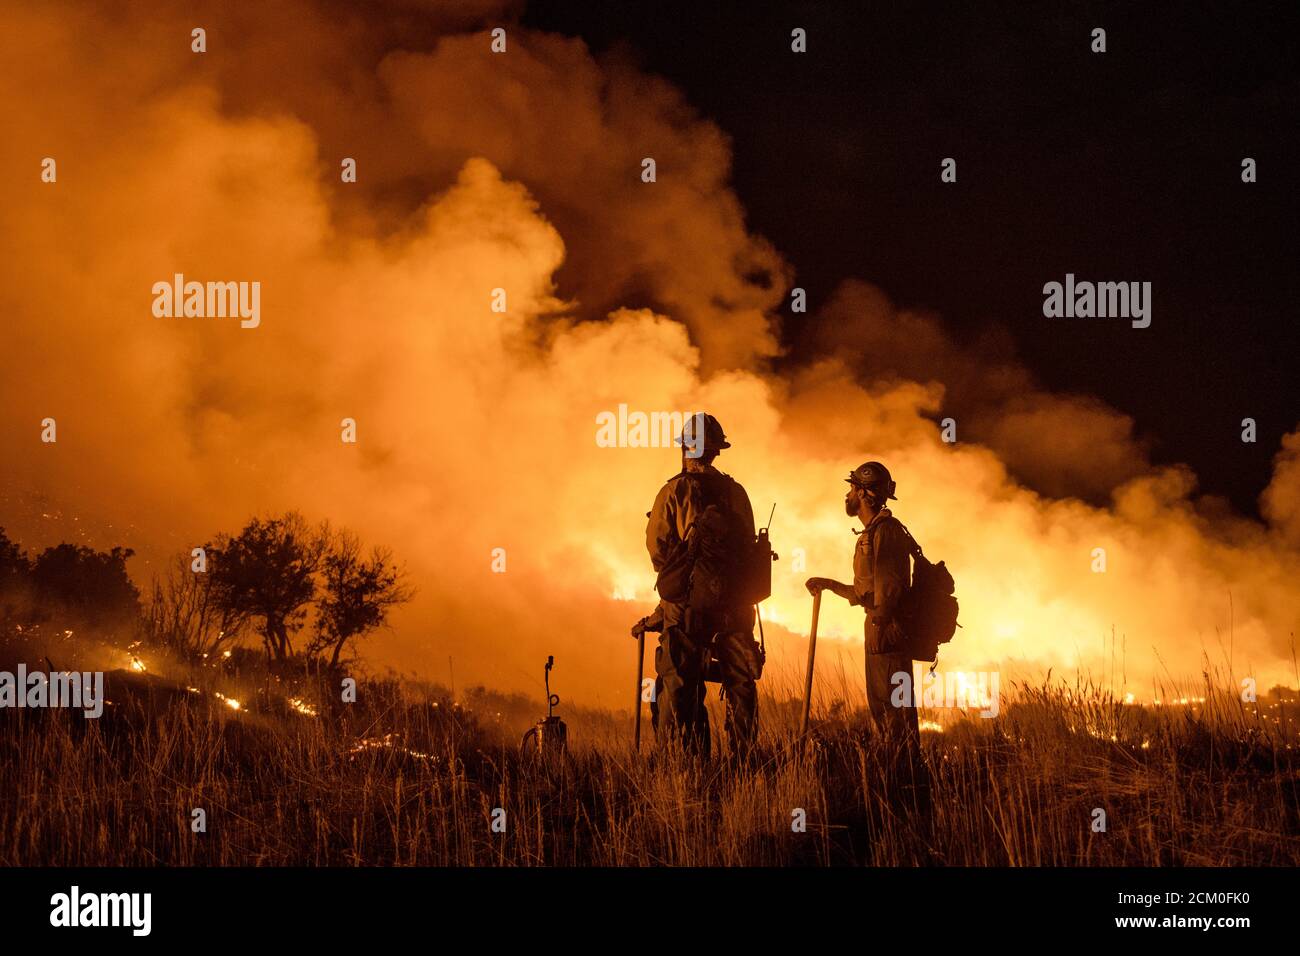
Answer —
898 728
685 658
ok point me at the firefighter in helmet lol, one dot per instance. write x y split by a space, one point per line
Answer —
881 574
697 535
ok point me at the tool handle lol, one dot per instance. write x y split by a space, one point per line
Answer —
640 666
812 654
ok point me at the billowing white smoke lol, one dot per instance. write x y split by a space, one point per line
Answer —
477 429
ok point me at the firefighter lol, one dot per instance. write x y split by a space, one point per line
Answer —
698 534
880 579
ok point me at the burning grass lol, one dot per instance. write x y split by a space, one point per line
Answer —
409 777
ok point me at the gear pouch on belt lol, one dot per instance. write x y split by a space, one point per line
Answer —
737 653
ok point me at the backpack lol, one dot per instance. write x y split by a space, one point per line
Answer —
711 569
927 611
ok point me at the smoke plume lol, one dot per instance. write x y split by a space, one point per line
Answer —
476 429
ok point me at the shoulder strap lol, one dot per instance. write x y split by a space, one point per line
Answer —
912 546
705 496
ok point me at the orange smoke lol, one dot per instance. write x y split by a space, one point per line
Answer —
477 429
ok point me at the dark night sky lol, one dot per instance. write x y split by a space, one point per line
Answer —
1121 166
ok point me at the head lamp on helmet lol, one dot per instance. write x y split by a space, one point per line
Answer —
874 477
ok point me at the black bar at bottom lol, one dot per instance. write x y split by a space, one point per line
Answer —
295 906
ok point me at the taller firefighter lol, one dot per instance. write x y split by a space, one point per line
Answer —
701 540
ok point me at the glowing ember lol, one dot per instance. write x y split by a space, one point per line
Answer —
137 665
302 707
931 725
388 742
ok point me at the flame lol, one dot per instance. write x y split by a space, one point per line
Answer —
389 741
302 707
394 277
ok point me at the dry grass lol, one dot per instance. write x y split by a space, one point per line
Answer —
396 781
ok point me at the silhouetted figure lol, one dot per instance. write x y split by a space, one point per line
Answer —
881 575
700 533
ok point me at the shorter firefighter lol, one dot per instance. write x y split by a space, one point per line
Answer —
880 581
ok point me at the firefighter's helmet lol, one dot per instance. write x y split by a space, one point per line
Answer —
714 438
873 476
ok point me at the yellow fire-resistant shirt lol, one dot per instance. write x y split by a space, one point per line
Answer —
880 583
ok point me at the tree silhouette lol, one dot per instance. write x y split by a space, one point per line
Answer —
15 582
357 594
92 584
268 573
187 611
13 563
